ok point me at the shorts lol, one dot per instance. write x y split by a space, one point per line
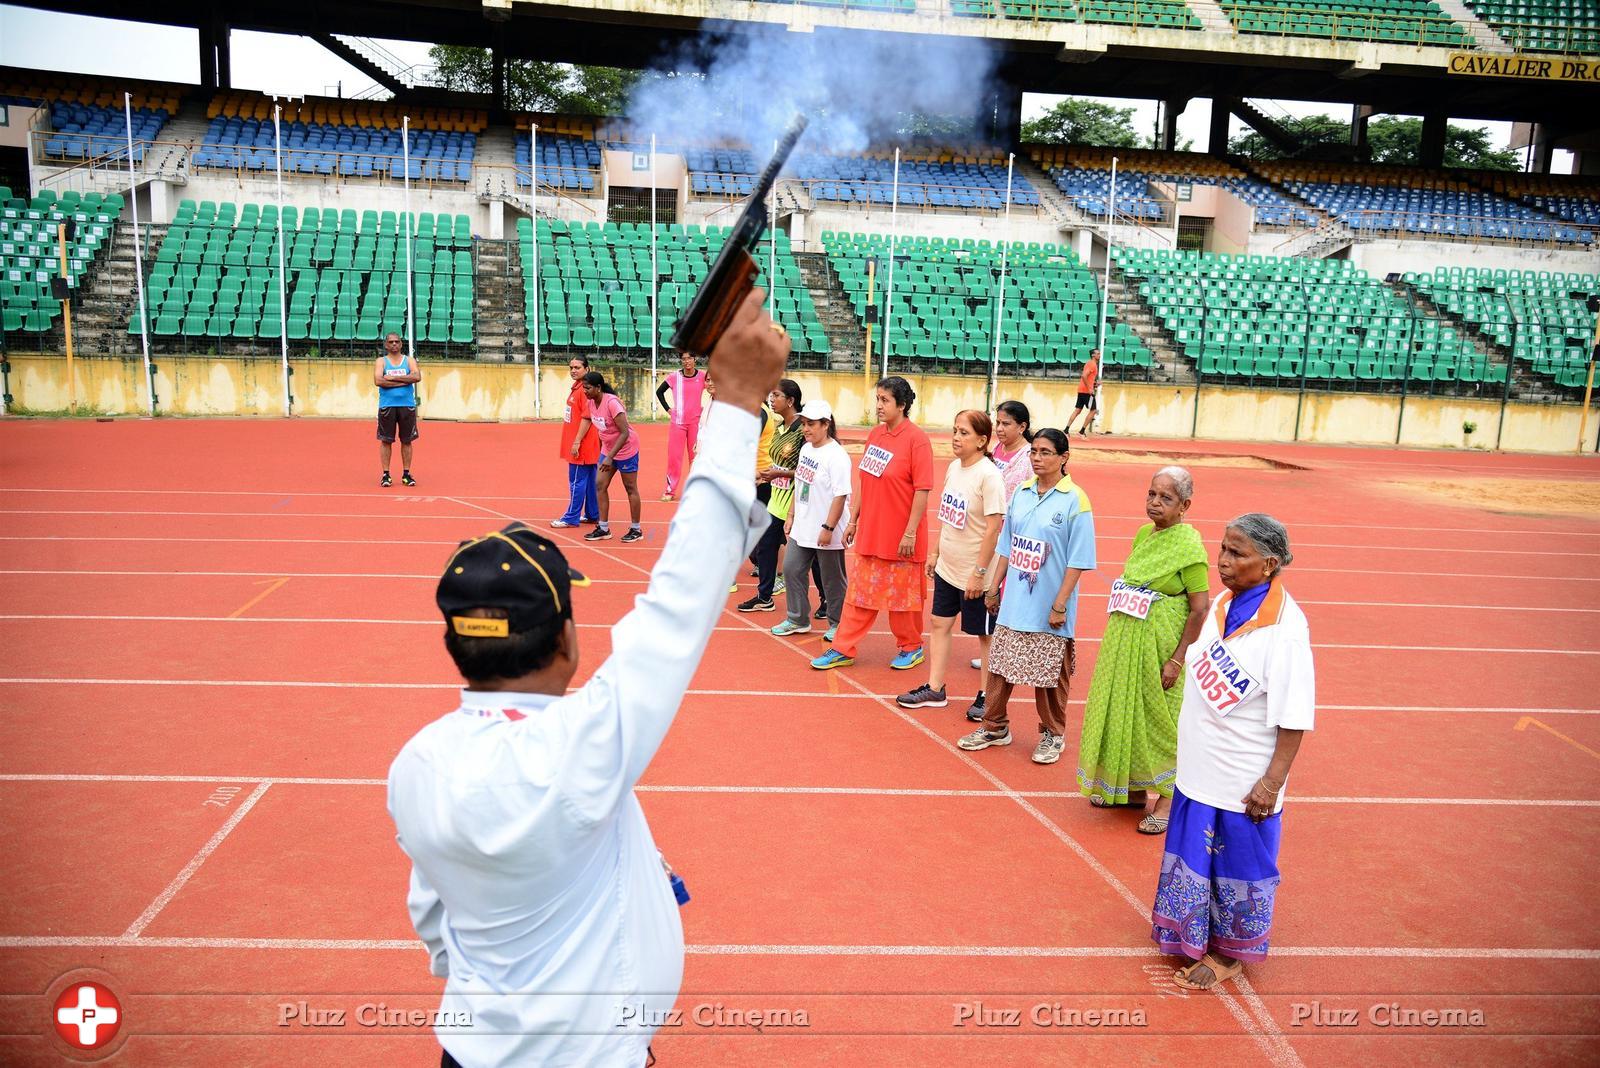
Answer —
949 600
403 419
1086 400
627 467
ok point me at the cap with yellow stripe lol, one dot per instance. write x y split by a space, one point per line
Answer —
514 570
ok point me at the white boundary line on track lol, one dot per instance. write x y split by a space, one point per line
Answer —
446 543
412 945
860 696
562 500
839 791
1300 546
154 908
73 617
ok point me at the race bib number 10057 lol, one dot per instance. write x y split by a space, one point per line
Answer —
1222 680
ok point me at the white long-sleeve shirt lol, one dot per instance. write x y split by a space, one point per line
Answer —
535 884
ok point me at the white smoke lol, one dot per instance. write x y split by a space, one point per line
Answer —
858 89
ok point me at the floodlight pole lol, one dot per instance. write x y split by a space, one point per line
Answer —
655 282
283 262
894 240
411 237
1588 385
138 262
533 164
1000 295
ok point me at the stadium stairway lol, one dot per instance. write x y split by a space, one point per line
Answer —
186 128
1483 35
1168 364
1525 385
1211 16
834 311
495 158
500 327
1054 202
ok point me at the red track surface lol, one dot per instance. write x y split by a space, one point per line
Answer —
255 615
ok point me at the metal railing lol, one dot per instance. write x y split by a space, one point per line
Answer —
1367 224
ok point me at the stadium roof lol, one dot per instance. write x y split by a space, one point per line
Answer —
1039 57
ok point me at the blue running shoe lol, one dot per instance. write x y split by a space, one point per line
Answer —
907 660
832 659
828 634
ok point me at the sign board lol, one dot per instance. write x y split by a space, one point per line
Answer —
1553 69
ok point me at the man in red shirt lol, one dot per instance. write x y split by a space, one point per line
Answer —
888 532
1087 402
580 447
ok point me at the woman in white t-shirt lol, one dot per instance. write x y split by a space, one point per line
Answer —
971 507
815 527
1249 697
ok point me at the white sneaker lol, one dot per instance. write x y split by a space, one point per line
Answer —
1048 751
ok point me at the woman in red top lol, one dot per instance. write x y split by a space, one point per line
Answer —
888 533
580 447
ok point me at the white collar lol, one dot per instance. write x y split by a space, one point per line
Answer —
495 700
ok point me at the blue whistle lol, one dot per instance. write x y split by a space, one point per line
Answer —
679 891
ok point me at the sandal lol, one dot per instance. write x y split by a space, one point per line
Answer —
1153 824
1098 802
1220 972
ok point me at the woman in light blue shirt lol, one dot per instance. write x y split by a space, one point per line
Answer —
1046 543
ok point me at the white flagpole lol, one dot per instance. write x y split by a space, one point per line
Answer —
533 155
1000 296
772 240
655 279
283 257
1105 285
138 257
1105 292
411 238
894 240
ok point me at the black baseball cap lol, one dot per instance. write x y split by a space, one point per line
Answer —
514 569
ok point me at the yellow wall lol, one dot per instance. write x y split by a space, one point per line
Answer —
209 385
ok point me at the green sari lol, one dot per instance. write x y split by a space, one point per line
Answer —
1130 724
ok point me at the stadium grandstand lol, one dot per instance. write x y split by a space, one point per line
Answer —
487 234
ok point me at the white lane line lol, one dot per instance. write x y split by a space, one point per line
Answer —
303 620
839 791
155 907
412 945
1299 546
447 543
266 574
860 696
1140 518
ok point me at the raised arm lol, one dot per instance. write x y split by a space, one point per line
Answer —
627 707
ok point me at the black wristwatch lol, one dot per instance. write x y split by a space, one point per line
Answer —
827 528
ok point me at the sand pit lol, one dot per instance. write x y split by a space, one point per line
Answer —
1518 496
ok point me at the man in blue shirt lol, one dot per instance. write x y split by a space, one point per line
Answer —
396 375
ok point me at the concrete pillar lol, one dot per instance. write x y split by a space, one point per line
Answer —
1359 114
1221 110
1434 125
499 78
1169 122
208 54
224 56
1006 105
1083 244
161 206
497 221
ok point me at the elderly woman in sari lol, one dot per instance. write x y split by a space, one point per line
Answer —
1249 698
1129 743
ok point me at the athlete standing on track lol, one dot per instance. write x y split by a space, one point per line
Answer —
536 885
580 447
619 453
687 385
396 376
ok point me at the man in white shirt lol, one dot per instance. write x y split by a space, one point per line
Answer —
536 885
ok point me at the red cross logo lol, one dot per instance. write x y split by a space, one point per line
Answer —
87 1015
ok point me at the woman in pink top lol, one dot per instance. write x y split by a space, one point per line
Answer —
686 386
619 454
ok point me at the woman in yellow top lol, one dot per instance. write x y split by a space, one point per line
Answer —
1129 744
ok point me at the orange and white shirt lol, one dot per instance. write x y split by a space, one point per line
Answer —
1239 690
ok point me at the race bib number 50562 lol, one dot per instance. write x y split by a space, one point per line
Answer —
1222 680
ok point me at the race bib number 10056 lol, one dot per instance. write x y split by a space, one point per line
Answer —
1222 680
1130 600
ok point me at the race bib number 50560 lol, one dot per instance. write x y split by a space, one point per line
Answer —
1222 680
